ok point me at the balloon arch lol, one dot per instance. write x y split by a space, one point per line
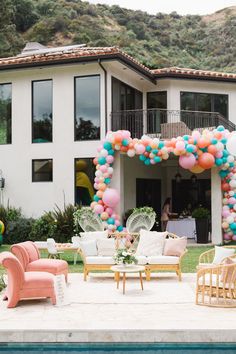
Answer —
197 152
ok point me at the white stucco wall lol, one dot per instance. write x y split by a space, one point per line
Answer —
16 158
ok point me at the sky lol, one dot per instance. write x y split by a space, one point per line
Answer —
182 7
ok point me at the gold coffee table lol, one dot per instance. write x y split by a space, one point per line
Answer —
127 269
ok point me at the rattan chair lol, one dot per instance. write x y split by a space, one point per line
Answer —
206 258
216 286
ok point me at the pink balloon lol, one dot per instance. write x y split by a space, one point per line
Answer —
111 197
225 213
234 237
180 145
98 209
227 237
232 200
109 211
110 159
103 168
187 161
139 148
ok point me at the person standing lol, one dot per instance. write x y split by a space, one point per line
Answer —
165 214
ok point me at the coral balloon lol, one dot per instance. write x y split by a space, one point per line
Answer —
111 197
206 160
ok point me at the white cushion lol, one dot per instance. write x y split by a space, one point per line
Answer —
41 244
89 248
142 260
151 243
106 247
100 260
163 260
221 253
214 281
93 235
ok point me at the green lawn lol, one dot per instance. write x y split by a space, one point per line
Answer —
190 260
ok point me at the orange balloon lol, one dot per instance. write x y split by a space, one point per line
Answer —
118 138
206 160
197 169
202 143
212 149
218 135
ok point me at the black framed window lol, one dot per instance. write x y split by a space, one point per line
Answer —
42 170
204 102
157 99
125 97
87 108
42 111
5 113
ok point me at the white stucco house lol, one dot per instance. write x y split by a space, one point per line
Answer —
56 104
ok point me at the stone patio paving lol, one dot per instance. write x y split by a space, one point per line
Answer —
98 312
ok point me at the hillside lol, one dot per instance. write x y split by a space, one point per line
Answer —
161 40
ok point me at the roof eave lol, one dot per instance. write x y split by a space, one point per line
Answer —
193 77
84 59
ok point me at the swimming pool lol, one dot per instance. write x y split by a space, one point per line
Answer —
115 348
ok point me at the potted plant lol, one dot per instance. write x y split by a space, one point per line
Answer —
201 216
125 257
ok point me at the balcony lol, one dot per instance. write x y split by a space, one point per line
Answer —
166 124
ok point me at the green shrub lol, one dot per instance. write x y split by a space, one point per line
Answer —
43 228
18 230
200 213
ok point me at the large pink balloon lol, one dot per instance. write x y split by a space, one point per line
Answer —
111 197
187 161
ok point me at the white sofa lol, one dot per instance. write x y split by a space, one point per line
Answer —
96 262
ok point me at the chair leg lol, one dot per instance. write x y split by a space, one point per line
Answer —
75 257
53 299
85 274
179 274
148 274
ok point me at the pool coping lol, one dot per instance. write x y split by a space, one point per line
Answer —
118 336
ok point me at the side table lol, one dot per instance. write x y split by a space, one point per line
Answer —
127 269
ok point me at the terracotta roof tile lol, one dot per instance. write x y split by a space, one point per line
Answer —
192 72
63 55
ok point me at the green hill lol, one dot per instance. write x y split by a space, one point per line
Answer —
161 40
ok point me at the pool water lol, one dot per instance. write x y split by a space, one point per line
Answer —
114 348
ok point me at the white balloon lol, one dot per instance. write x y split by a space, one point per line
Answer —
131 153
103 153
110 170
230 219
230 158
231 193
231 144
232 183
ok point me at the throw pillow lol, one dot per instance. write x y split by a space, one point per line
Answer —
106 247
151 243
221 253
89 248
175 246
229 273
93 235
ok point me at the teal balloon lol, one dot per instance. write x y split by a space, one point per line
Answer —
120 228
214 141
161 144
96 198
111 152
107 180
218 162
102 160
107 145
111 221
224 141
157 159
224 159
190 148
147 161
223 173
155 151
142 158
125 142
231 164
186 137
220 128
233 226
148 148
225 153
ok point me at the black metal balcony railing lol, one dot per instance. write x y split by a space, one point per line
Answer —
166 123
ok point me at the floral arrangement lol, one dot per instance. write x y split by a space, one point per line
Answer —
124 256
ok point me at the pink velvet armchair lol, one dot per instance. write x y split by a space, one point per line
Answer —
25 285
29 257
